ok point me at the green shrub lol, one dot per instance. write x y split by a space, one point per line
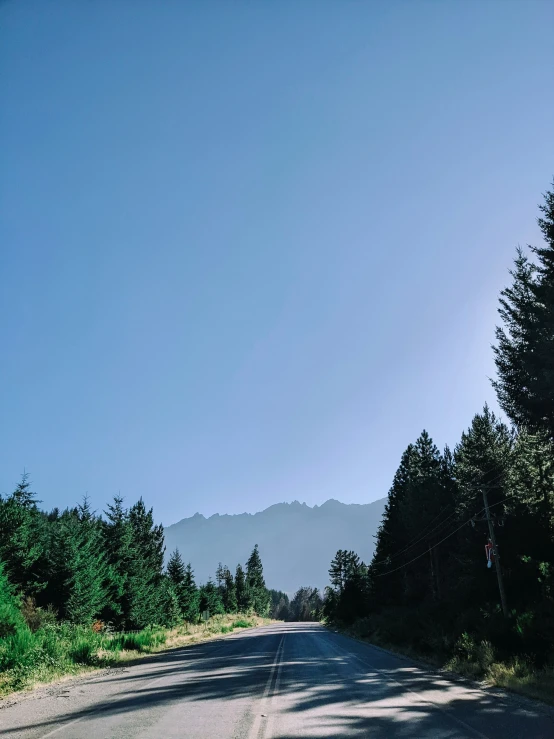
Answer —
241 623
11 619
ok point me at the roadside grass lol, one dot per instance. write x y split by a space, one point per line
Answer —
476 660
518 676
56 650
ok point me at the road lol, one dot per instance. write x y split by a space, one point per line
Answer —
281 682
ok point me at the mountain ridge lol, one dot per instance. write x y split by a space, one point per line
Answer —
297 541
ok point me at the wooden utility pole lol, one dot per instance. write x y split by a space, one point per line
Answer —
433 580
496 556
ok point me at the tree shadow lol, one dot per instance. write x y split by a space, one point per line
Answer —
327 683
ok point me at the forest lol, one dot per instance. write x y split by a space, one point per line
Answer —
74 584
437 584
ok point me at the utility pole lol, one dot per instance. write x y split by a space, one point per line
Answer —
433 580
496 556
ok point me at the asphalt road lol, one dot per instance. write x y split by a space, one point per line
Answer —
282 681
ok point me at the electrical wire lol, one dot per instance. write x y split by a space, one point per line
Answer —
389 572
412 544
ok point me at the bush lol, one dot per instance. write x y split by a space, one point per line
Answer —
11 619
241 623
83 653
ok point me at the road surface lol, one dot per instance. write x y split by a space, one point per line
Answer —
282 682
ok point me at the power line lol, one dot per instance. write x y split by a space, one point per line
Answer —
409 546
417 541
389 572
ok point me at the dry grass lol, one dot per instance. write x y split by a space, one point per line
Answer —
193 633
64 651
477 662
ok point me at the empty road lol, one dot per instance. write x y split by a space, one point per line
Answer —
281 682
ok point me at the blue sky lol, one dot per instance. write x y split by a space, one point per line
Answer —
248 251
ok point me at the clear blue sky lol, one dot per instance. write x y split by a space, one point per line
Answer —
250 250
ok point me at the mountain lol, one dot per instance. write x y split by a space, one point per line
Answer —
296 542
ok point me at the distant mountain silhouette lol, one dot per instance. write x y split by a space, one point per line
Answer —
296 542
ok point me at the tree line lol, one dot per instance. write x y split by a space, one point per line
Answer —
84 568
429 583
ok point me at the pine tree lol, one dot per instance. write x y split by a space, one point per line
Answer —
524 353
306 605
88 578
176 569
483 459
118 541
191 607
242 594
177 575
386 581
23 539
229 592
220 575
279 605
171 610
147 567
255 583
210 599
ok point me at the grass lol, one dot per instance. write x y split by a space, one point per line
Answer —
56 650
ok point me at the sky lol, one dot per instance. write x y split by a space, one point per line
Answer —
249 251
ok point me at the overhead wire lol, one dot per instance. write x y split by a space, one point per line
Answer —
412 544
389 572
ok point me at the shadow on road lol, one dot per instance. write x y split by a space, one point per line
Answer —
323 675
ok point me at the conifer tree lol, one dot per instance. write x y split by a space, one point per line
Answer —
177 576
118 541
23 539
242 594
88 573
171 612
255 583
337 574
147 566
392 537
210 599
191 608
483 459
229 592
524 353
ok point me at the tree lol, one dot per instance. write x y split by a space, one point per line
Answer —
306 605
23 539
229 591
11 619
255 583
177 576
524 353
88 573
242 595
147 567
210 599
220 575
171 611
118 542
279 605
176 569
191 606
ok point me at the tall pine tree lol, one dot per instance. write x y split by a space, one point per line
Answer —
255 583
524 353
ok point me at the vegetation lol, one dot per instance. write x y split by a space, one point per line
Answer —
74 584
55 649
428 589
